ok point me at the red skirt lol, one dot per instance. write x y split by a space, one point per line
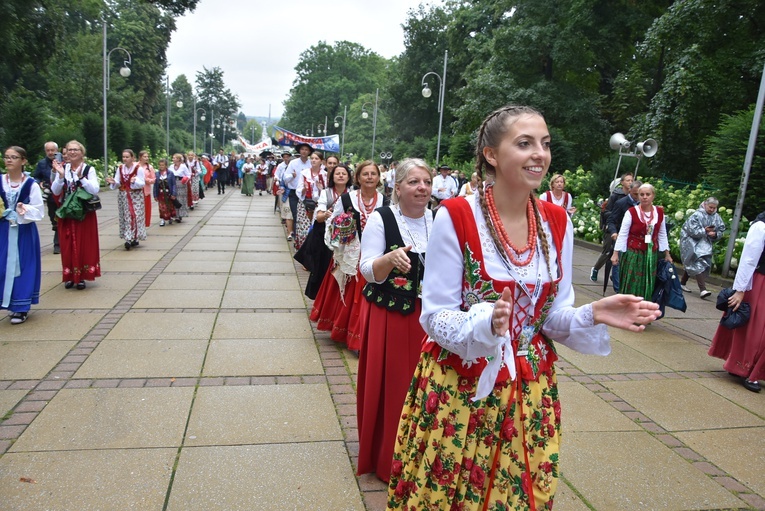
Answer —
80 255
743 348
390 350
147 205
329 312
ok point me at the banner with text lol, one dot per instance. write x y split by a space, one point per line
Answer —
329 144
254 148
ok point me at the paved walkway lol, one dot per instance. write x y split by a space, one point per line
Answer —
189 378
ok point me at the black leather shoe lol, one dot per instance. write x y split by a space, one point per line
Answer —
134 243
56 249
81 285
127 245
754 386
69 284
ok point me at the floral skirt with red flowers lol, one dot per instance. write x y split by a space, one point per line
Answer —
453 453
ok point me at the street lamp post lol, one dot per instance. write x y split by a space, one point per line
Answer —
426 92
342 140
179 104
124 72
364 115
201 118
321 128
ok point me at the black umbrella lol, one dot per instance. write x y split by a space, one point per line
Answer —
266 153
607 275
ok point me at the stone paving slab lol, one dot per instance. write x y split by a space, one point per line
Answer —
109 419
315 476
93 297
144 358
678 355
193 257
30 360
217 245
201 266
622 359
733 450
264 257
235 299
729 388
678 405
602 467
262 325
584 411
87 480
142 253
167 325
191 282
262 414
262 283
56 327
9 398
182 299
262 357
264 267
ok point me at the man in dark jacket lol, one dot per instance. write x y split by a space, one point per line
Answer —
42 176
608 241
615 220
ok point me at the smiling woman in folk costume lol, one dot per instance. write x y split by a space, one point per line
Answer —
21 205
335 308
195 166
80 255
483 433
314 255
392 262
129 179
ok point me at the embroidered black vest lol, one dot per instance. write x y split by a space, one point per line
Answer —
399 291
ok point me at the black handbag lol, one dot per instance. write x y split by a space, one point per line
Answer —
177 203
309 204
732 319
92 204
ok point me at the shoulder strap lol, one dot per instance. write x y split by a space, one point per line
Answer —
392 232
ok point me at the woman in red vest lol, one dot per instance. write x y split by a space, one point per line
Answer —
642 236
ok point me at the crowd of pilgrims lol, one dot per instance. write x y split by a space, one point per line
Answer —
457 399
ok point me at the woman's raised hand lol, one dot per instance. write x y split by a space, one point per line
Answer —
628 312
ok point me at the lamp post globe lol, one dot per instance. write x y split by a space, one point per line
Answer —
426 92
364 115
179 103
337 125
202 118
124 71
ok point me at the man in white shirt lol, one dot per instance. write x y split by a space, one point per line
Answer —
221 163
444 185
279 179
290 181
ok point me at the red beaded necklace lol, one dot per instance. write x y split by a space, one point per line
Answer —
365 209
510 249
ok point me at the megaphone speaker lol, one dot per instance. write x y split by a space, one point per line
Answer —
648 148
618 142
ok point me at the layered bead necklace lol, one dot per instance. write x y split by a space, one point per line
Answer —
364 208
513 252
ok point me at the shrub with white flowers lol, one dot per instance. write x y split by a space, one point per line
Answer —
678 205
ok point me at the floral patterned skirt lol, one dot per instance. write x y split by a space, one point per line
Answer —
453 453
132 215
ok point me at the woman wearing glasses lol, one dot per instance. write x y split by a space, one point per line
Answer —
80 256
21 205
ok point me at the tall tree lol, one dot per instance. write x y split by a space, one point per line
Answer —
700 59
328 77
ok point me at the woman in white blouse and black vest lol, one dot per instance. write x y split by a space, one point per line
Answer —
392 262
